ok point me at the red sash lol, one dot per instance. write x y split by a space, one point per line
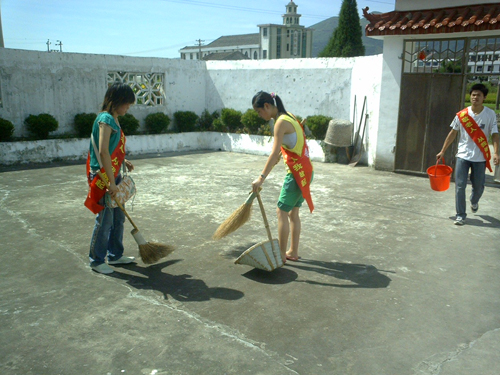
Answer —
98 187
301 168
477 135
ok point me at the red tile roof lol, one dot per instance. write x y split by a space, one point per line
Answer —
434 21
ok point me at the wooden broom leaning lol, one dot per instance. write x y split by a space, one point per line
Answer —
236 220
150 252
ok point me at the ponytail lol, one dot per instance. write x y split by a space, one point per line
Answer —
263 97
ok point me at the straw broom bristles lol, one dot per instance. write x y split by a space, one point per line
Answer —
150 252
236 220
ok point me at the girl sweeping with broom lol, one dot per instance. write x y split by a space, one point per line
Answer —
108 138
290 140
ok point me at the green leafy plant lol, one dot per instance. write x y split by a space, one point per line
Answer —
185 121
129 124
252 121
318 125
84 123
231 118
219 126
264 130
6 130
41 125
205 122
157 123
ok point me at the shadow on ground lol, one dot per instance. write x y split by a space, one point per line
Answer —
180 287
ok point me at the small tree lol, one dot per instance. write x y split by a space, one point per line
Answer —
129 124
6 130
252 121
84 123
41 125
205 122
156 123
318 125
185 121
346 39
231 118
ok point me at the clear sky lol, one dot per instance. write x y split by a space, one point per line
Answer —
149 28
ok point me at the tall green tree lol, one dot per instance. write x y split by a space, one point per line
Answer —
346 38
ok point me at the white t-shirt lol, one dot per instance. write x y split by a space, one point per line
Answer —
467 148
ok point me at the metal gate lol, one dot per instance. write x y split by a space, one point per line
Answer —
433 90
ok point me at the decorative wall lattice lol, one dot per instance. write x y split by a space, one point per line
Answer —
148 87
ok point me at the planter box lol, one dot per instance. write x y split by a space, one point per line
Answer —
76 149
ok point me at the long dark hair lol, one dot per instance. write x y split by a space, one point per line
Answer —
118 93
263 97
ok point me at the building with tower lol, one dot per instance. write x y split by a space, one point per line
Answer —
274 41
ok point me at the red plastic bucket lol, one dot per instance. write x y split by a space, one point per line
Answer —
439 176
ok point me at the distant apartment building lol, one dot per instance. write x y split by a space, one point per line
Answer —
286 41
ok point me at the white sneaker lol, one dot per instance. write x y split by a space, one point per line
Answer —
122 260
102 268
459 221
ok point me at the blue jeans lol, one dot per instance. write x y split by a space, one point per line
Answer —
477 179
107 238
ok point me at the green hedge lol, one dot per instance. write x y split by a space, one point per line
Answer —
318 125
185 121
129 124
157 123
6 130
39 126
83 124
252 121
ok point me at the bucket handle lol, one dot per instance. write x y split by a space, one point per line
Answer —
437 162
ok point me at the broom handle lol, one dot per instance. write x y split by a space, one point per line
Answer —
265 218
126 214
119 205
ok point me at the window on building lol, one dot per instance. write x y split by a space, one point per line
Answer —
255 56
264 54
264 31
490 68
288 33
190 56
288 47
278 44
479 68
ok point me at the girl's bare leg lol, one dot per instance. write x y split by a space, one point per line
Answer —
283 232
295 227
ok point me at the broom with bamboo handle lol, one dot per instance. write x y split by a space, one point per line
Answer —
150 252
236 220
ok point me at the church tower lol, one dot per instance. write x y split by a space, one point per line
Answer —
291 17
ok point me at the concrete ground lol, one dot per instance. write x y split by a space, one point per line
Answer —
386 284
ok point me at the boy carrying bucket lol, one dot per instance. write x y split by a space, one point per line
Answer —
475 124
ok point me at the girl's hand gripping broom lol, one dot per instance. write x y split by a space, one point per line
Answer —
150 252
236 220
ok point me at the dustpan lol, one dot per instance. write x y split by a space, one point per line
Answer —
263 255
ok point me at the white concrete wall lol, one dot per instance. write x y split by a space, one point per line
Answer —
384 134
65 84
77 149
306 86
